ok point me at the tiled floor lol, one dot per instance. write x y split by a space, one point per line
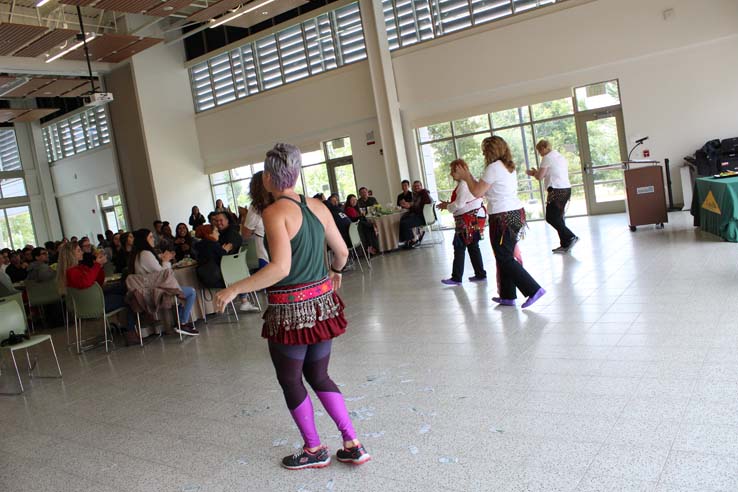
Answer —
623 377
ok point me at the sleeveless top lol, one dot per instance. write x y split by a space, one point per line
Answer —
308 260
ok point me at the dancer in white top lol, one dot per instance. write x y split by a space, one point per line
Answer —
470 217
507 219
554 171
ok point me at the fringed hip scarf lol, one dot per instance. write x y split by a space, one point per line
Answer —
297 307
514 220
470 227
558 197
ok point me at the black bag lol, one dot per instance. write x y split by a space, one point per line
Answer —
210 275
14 339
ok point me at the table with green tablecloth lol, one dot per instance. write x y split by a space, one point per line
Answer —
717 202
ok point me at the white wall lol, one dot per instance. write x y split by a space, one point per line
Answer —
78 180
168 122
678 77
335 104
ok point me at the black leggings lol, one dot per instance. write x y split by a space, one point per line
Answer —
292 361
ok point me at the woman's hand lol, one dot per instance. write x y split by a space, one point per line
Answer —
461 173
227 247
223 298
335 279
442 206
166 256
532 172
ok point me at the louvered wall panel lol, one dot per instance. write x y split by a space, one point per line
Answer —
132 6
102 46
15 36
214 10
168 8
131 50
47 42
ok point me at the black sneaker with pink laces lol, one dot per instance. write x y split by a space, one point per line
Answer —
354 456
305 459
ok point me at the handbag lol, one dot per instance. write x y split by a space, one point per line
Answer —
14 339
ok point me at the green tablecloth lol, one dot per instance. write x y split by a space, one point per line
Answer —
718 206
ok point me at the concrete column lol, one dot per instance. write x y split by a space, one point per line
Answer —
385 93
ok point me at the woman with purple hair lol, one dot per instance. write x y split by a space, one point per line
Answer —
304 313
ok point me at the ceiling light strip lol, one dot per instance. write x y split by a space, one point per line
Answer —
71 48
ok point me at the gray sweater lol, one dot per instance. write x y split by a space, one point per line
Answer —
40 272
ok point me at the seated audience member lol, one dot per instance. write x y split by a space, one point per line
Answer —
339 217
6 285
220 206
157 232
4 259
85 245
211 218
166 238
122 251
414 216
406 196
27 254
367 232
143 260
230 234
365 201
183 242
39 269
254 225
51 248
80 270
17 270
209 253
101 243
196 218
319 196
73 239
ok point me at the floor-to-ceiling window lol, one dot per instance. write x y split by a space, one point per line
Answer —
521 127
327 170
16 223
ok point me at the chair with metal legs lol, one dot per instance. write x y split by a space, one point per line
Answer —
234 268
42 294
356 244
89 303
13 319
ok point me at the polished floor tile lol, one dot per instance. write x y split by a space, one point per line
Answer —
623 377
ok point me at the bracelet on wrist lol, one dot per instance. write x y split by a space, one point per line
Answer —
335 270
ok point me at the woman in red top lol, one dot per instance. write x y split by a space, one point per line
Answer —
79 271
367 231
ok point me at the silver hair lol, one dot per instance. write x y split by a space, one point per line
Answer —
283 164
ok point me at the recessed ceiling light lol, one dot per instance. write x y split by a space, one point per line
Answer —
265 13
48 93
168 8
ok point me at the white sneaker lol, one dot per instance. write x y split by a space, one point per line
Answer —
248 307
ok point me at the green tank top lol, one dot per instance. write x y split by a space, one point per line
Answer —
308 248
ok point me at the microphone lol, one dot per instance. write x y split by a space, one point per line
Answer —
641 140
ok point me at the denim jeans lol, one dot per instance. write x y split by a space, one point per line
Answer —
185 308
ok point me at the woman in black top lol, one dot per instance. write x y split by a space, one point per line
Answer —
183 242
196 218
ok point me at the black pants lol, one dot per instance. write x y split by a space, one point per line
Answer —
512 273
460 248
368 234
408 222
555 216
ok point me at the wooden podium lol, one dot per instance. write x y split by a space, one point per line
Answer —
645 194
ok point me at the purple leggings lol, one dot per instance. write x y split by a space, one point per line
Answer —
291 363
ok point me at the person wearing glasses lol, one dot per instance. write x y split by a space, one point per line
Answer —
39 269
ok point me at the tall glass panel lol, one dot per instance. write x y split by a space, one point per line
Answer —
316 180
597 96
21 226
345 181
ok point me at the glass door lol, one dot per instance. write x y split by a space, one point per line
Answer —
602 147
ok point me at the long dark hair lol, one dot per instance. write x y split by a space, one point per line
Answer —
187 237
347 203
140 244
260 197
